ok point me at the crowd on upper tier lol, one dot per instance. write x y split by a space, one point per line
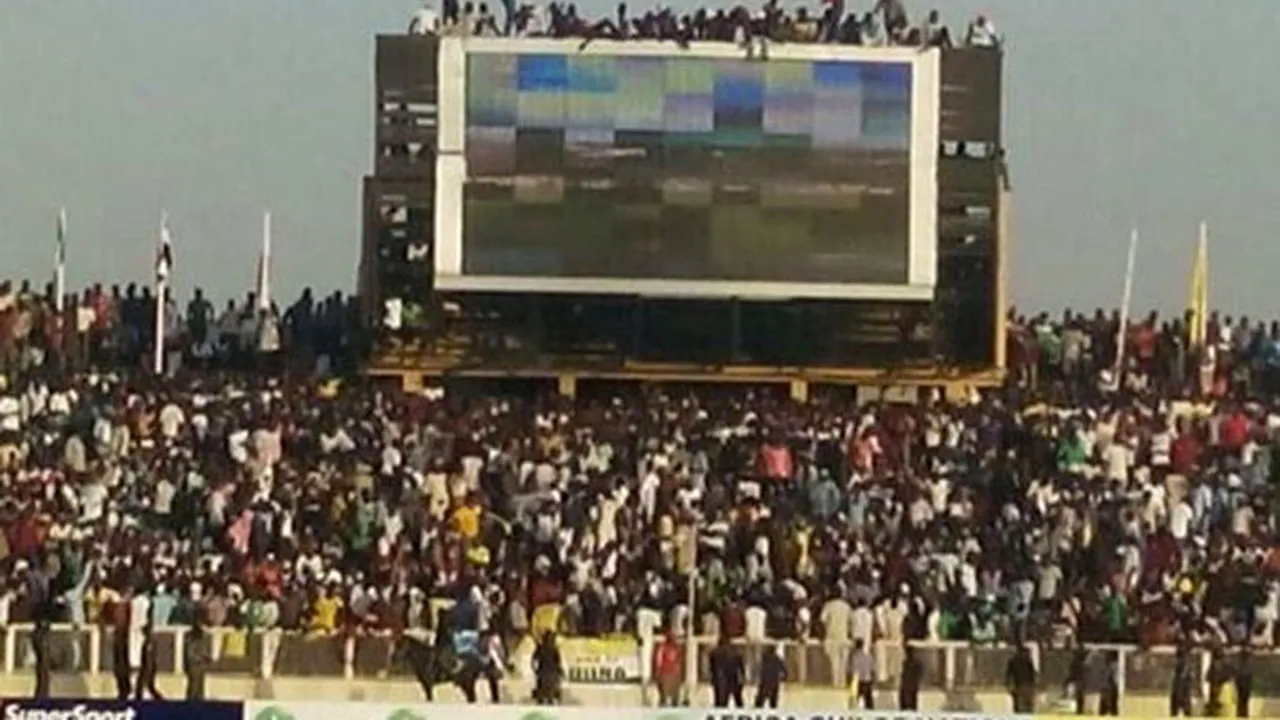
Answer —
884 23
260 483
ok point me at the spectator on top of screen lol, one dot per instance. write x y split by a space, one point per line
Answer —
934 33
426 21
894 15
886 24
982 33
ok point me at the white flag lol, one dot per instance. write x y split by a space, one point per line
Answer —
264 265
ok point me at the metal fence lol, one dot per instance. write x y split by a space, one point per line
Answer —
947 666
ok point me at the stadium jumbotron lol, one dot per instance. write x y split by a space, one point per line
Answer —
686 209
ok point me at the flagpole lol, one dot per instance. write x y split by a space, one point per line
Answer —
1198 303
158 361
1123 332
162 287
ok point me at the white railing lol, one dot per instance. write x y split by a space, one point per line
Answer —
948 665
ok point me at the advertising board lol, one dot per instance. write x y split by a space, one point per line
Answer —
642 168
587 660
387 711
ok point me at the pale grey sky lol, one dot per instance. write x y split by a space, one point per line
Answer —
1120 112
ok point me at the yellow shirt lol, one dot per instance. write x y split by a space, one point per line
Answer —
325 616
466 520
546 618
96 601
1226 700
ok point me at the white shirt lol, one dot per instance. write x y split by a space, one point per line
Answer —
10 413
85 315
393 313
1118 457
60 402
426 21
648 622
863 625
1161 446
238 446
171 420
969 579
93 499
983 34
1180 520
755 618
163 502
1242 520
139 611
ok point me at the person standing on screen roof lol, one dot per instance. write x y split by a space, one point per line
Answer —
894 16
509 20
426 21
982 34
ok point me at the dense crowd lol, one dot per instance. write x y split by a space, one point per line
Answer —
260 485
885 24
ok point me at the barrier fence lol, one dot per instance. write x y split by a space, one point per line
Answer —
947 666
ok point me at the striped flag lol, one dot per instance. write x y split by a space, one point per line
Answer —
60 256
164 253
60 264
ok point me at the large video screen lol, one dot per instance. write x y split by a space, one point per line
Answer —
642 167
688 168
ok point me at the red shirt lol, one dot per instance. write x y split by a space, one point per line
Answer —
1234 431
1144 341
666 659
733 621
1185 453
775 462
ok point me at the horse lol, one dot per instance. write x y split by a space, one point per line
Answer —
431 664
439 662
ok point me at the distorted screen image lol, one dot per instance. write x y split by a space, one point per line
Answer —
687 168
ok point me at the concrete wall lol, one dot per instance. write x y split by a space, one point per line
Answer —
229 687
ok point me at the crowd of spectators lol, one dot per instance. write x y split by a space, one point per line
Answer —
886 23
291 494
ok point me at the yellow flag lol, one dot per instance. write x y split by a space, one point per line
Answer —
1198 299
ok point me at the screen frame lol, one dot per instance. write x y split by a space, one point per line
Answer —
451 173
